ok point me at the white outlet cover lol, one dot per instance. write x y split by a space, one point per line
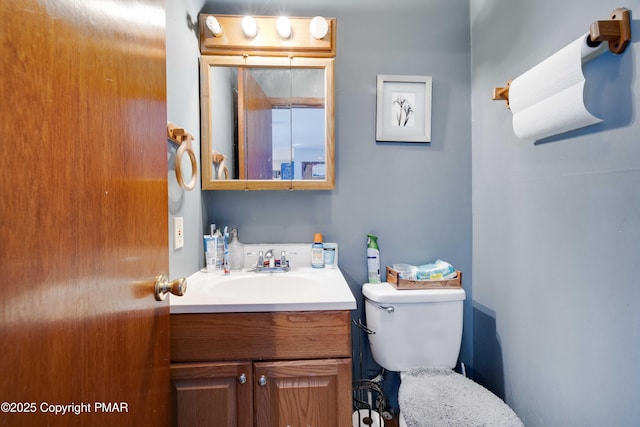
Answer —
178 232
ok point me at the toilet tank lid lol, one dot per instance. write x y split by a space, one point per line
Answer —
386 293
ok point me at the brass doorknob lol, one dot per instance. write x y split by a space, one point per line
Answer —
177 287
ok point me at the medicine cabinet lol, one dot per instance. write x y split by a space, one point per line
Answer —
267 115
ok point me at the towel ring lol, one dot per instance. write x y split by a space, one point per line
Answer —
184 140
187 147
219 160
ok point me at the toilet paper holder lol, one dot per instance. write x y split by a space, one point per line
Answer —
616 31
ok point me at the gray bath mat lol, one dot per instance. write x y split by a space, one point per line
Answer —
442 398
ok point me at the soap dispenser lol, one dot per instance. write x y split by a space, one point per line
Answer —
236 252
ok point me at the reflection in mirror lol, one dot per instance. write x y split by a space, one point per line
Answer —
270 122
223 83
295 119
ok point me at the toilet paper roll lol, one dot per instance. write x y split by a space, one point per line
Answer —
548 99
366 418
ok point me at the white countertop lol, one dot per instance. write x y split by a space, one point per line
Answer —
301 289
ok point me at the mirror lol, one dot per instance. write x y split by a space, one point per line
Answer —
267 123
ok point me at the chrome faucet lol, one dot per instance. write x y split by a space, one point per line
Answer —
267 262
270 258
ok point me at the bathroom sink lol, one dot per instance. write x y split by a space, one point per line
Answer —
303 288
270 286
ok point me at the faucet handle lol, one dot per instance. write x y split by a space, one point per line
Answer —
260 261
284 261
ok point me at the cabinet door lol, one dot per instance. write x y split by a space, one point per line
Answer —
303 393
212 394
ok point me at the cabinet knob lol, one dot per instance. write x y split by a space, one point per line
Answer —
242 379
262 381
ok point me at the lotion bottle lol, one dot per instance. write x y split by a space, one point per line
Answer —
317 252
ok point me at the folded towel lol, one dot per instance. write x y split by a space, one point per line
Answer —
442 397
437 271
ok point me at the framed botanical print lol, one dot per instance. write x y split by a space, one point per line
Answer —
403 112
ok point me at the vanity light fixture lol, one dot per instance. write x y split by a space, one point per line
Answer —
214 26
230 35
284 27
249 27
319 27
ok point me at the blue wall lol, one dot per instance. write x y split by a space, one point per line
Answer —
415 197
556 226
183 109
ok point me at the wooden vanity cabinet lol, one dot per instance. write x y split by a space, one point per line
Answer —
303 393
261 369
212 394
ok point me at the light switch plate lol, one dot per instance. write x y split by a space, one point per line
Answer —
178 232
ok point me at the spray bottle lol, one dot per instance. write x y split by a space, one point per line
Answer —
373 259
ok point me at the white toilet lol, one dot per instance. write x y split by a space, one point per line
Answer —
417 329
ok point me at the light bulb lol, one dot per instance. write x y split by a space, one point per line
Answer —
319 27
284 27
214 26
249 26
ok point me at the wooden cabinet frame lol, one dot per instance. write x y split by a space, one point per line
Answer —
262 369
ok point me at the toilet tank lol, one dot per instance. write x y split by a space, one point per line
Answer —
413 328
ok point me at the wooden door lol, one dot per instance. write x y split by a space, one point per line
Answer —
84 213
255 117
212 394
314 393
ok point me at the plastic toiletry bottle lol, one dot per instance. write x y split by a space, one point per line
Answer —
330 255
225 258
219 248
317 252
211 250
373 259
236 252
